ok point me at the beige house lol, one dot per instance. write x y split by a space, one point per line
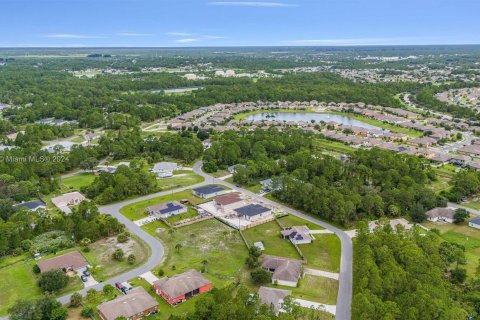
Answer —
67 200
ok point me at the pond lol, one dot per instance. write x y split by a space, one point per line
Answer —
308 116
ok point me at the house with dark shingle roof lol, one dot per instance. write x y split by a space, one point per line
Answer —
441 214
273 297
297 234
253 212
136 304
181 287
167 209
32 205
474 223
208 191
285 272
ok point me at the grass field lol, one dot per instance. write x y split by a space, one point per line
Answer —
184 178
179 217
19 282
269 234
100 257
291 220
335 146
312 288
464 235
77 181
323 253
210 240
136 210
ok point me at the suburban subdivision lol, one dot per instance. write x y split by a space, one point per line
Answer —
239 160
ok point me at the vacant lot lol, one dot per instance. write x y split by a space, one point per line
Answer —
100 257
317 289
136 210
209 244
291 220
77 181
180 179
269 234
323 253
463 235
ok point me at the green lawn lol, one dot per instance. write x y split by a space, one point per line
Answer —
100 257
136 210
335 146
312 288
269 234
19 282
323 253
179 217
210 240
78 139
291 220
184 178
77 181
463 235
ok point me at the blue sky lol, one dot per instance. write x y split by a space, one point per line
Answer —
187 23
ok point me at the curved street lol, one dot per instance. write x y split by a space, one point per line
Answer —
344 297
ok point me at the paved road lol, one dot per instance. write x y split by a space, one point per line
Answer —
344 298
457 206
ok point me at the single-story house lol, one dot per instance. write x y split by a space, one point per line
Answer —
72 261
253 212
33 205
273 297
285 272
182 287
441 214
297 234
474 223
472 150
208 191
228 201
67 200
165 169
167 209
136 304
423 142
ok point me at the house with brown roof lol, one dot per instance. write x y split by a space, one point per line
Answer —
136 304
228 201
471 150
423 142
297 234
285 272
67 200
72 261
273 297
441 214
182 287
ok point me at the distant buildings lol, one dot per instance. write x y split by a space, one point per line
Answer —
165 169
67 200
208 191
474 223
33 205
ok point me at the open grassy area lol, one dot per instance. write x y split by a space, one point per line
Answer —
269 234
312 288
210 240
100 257
335 146
291 220
77 181
191 213
180 179
323 253
19 282
136 210
463 235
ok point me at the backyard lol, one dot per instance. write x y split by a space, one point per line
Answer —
77 181
464 235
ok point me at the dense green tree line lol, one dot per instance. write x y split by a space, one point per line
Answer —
401 275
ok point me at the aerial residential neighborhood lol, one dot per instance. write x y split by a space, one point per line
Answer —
239 160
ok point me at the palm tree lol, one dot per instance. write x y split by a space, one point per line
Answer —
178 246
204 263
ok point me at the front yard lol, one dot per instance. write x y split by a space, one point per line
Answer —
181 179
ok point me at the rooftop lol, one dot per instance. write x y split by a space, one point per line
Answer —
209 189
72 259
181 283
251 210
135 301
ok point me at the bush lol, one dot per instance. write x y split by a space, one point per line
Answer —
123 237
75 299
36 269
118 254
161 272
53 280
131 259
88 312
261 276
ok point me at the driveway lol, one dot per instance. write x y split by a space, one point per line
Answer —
344 298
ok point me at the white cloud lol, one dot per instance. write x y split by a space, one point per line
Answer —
180 34
252 4
133 34
187 40
70 36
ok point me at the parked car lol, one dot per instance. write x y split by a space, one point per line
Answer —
86 273
84 278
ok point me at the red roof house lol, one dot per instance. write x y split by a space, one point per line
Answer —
182 287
